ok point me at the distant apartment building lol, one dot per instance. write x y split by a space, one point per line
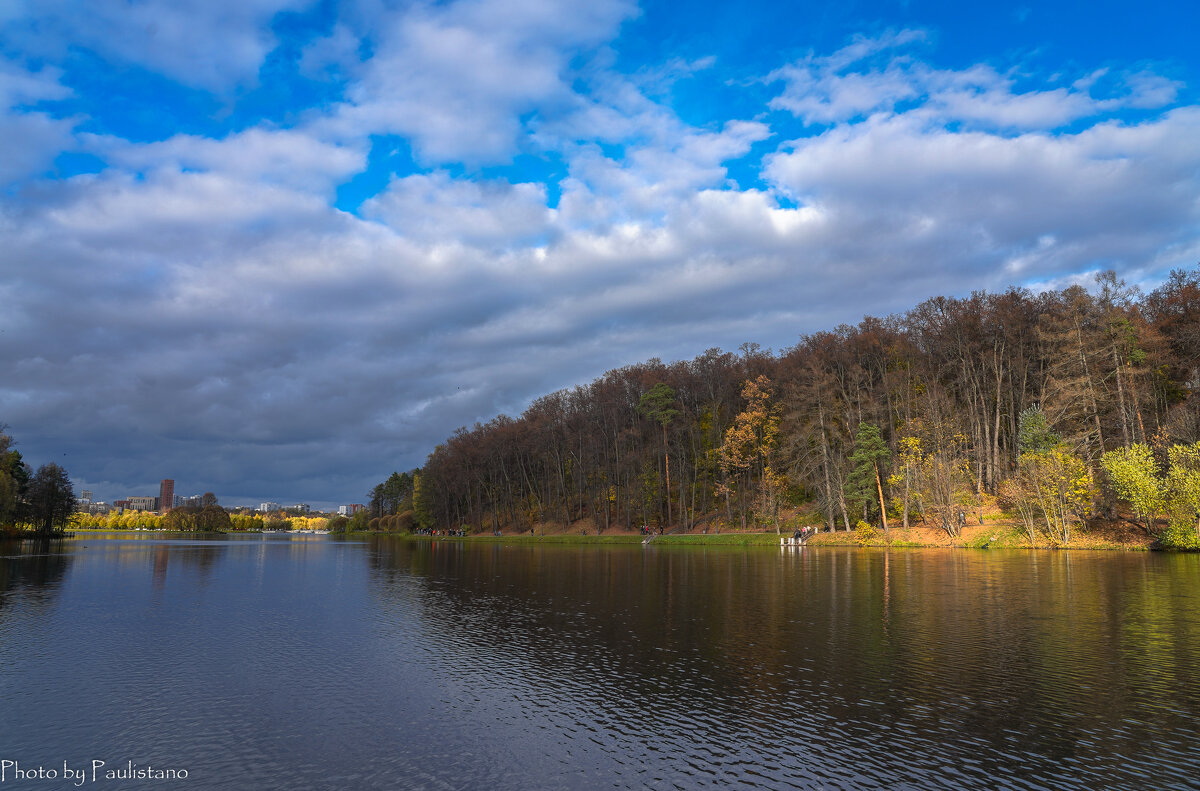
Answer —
350 510
268 507
193 501
166 494
303 508
142 503
86 494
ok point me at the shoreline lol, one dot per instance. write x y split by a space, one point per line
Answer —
993 536
1112 537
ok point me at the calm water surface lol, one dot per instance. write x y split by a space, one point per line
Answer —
310 663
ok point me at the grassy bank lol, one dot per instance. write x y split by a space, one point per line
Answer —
729 539
711 539
994 535
1114 536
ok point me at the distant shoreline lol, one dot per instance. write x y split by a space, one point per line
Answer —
994 536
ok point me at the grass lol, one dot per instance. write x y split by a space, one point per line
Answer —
557 538
686 539
725 539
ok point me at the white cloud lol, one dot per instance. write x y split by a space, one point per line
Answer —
1150 90
652 177
32 138
19 85
851 84
817 90
456 79
436 209
1113 193
212 45
31 142
276 156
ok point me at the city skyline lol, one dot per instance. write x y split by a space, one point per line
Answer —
284 248
166 493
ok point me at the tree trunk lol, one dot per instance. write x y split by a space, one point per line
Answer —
667 459
1090 387
825 465
882 504
845 515
1121 397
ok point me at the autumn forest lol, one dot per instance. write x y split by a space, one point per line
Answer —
1056 407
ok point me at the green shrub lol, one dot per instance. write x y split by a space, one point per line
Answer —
1179 536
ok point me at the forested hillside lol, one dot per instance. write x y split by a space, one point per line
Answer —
1017 395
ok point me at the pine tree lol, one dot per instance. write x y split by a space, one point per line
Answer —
659 404
869 463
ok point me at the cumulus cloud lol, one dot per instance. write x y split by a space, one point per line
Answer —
458 79
32 137
211 45
435 208
651 177
879 75
291 157
1111 193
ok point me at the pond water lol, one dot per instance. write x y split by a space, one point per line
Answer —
312 663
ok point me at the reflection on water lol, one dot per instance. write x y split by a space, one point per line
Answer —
30 573
828 668
316 663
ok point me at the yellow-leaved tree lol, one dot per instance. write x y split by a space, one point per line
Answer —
1183 494
1133 475
1052 490
934 471
902 481
747 454
1058 491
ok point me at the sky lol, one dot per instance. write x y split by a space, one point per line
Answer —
277 249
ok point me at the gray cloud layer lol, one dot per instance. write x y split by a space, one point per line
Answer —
199 310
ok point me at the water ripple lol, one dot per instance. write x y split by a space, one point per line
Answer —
410 665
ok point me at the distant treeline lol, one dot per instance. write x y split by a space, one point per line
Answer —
208 518
925 412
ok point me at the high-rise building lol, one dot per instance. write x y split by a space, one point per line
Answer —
166 494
